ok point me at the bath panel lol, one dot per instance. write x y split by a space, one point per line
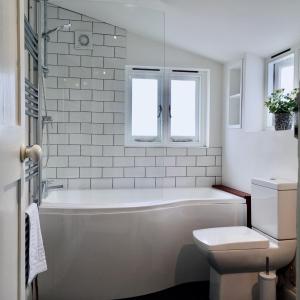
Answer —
124 243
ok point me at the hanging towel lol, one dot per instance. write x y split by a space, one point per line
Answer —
37 258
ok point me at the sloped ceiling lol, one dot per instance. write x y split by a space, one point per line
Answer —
219 29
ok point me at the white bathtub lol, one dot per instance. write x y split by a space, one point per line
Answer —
111 244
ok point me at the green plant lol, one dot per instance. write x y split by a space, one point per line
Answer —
279 102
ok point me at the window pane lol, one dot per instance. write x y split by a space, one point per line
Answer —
284 74
280 76
234 116
144 107
286 78
183 108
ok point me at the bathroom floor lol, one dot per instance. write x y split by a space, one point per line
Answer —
188 291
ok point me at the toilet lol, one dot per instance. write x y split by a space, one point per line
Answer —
237 254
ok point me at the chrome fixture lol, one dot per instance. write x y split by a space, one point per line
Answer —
46 187
46 37
46 120
65 27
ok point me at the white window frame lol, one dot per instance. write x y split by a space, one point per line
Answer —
165 75
271 82
130 74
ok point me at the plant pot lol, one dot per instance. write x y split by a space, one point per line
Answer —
283 121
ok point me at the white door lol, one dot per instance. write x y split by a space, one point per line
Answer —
12 135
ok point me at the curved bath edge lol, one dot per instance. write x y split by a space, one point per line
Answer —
129 251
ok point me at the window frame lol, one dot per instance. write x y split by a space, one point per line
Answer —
196 137
272 82
278 70
165 75
130 139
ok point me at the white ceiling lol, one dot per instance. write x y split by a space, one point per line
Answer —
219 29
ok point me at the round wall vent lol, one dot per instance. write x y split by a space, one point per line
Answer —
83 40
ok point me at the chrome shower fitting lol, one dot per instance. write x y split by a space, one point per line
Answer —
46 187
46 120
65 27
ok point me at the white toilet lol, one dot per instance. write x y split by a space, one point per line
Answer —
237 254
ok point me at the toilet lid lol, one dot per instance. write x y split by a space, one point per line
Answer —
229 238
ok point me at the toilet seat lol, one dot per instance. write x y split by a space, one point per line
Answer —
240 249
229 238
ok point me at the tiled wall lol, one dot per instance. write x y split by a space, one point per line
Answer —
85 97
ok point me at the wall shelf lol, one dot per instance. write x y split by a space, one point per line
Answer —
245 93
235 95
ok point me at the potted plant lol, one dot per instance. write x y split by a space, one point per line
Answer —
283 107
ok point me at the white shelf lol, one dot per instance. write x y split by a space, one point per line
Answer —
235 95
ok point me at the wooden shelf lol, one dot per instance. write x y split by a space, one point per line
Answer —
238 193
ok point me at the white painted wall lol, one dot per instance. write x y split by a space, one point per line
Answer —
257 154
264 153
246 154
142 51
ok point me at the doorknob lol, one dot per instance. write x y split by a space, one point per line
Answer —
33 152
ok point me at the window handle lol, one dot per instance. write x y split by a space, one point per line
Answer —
181 140
160 109
170 114
145 140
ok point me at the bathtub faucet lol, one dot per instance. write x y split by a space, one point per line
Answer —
46 187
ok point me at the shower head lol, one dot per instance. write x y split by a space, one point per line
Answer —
65 27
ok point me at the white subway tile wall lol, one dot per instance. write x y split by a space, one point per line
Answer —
85 97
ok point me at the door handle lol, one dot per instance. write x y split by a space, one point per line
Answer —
160 109
170 112
32 152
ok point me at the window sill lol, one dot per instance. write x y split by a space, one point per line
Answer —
164 145
272 129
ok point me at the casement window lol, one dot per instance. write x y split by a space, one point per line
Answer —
281 75
166 106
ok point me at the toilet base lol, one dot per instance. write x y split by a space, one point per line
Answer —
234 286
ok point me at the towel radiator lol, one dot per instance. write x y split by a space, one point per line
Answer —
32 96
32 24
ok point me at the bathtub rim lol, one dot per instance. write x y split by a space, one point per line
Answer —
89 208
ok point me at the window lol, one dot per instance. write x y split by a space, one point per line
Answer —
280 76
183 110
166 107
145 100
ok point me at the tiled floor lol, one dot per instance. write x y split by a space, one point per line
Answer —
189 291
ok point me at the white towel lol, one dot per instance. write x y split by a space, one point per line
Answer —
37 258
